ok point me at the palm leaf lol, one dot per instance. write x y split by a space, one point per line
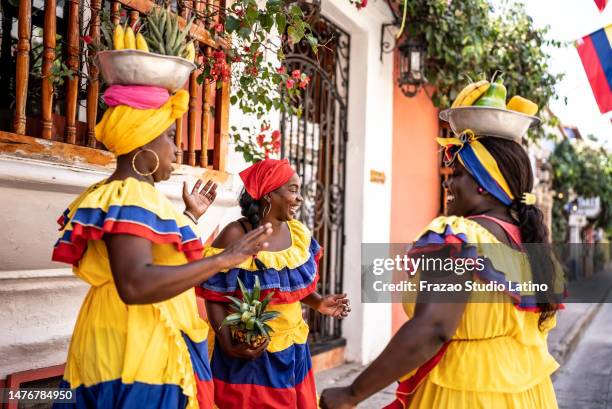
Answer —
256 289
234 300
262 328
231 319
269 315
246 294
266 300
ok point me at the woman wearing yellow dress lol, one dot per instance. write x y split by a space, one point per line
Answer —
138 341
277 375
471 355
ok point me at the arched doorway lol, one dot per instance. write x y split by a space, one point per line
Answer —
315 144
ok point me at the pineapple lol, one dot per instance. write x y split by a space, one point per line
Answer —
248 322
163 34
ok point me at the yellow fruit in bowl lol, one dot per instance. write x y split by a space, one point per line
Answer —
523 105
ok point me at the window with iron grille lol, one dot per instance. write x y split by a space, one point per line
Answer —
42 44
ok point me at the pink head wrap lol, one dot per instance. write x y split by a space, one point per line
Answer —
136 96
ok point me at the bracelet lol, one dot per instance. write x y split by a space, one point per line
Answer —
190 216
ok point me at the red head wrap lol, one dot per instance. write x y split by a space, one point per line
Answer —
265 176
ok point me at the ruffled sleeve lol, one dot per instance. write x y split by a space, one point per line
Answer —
123 207
502 264
292 274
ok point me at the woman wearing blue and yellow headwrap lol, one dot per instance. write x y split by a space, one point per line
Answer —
484 350
138 341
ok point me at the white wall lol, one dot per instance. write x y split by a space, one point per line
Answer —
368 327
40 299
369 147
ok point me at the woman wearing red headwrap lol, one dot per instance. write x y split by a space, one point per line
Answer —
278 374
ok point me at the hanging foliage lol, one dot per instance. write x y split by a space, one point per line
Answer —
470 36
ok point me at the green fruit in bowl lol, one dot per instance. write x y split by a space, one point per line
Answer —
495 96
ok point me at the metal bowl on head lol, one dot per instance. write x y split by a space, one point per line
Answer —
489 121
136 67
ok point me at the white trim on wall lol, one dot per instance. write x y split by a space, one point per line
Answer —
370 114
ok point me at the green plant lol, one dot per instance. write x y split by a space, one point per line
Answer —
58 73
257 32
469 36
248 322
587 172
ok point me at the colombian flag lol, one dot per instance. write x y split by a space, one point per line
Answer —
595 51
601 4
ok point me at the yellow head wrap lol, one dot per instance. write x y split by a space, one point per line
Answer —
123 128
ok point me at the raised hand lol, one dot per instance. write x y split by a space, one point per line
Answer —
247 246
335 305
198 201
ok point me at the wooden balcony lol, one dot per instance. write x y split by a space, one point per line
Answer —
49 116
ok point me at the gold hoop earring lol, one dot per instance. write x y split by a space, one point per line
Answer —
267 209
134 162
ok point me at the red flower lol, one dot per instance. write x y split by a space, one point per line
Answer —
296 74
290 83
237 58
276 140
218 27
281 69
260 140
87 39
303 84
247 49
239 12
363 4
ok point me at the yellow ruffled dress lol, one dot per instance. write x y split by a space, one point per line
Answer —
132 356
498 357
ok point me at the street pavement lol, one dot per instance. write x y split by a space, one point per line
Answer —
585 381
581 342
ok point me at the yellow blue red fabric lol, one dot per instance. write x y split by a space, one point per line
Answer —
595 51
132 356
282 376
498 356
479 162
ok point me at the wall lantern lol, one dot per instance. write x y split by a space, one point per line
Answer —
411 60
410 48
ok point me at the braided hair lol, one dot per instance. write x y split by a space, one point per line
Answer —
515 166
250 208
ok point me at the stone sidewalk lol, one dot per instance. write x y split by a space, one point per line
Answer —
571 324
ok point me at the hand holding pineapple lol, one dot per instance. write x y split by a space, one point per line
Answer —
249 331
